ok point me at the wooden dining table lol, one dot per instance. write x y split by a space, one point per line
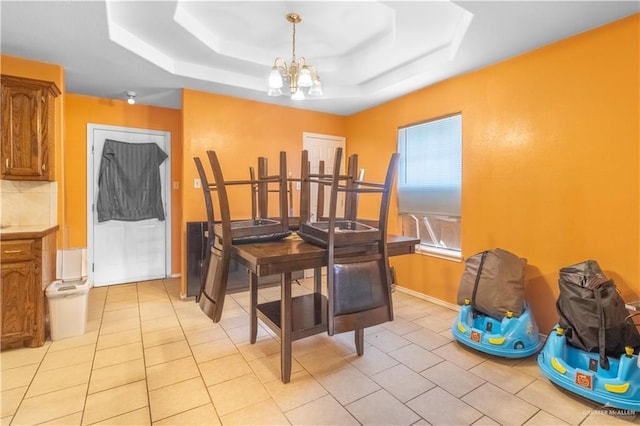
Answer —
293 318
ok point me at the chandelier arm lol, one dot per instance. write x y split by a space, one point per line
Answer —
281 65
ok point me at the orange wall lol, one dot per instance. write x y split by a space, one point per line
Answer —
81 110
21 67
240 131
550 161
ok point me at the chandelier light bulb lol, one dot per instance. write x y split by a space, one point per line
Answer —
298 95
274 92
304 79
275 79
316 89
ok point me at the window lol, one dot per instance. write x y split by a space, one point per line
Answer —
429 184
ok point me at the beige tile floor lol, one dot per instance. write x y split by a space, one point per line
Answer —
149 357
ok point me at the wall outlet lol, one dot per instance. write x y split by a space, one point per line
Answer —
298 186
197 184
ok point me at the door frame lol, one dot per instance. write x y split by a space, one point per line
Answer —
91 128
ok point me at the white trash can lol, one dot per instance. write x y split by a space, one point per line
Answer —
68 309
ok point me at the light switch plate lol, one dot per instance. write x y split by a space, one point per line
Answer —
197 184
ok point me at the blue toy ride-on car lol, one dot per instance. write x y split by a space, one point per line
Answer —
579 371
511 337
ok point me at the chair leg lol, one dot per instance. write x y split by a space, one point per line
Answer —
359 335
253 316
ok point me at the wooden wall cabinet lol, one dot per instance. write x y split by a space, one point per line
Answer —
28 266
28 128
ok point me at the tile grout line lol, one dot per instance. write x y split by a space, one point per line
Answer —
144 355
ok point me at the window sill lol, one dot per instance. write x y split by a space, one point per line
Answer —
452 255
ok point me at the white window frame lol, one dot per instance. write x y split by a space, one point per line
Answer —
432 213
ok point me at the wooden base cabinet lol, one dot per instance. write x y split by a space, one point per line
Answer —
28 266
19 302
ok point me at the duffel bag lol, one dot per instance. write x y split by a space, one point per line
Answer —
592 312
493 281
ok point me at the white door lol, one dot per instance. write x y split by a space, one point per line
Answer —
323 147
126 251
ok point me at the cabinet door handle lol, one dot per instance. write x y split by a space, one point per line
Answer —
12 251
44 166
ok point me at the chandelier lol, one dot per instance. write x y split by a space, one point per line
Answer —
299 73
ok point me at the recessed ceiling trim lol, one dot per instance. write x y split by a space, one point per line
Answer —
218 75
461 30
382 59
196 28
129 41
203 33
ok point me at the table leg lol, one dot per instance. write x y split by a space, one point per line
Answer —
286 325
317 280
253 307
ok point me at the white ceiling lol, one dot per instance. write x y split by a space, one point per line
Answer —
366 52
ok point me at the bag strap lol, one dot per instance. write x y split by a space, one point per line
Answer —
475 284
604 361
629 319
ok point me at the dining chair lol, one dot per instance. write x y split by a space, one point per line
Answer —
218 254
260 192
224 231
208 203
307 179
358 273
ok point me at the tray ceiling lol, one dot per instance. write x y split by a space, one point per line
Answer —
366 52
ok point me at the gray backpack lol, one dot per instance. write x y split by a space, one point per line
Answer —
493 281
592 313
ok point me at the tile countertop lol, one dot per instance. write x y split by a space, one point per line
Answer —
29 231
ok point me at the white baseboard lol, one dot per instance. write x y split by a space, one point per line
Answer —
443 303
428 298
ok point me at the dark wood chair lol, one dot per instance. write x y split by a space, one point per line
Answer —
218 254
308 179
223 231
358 273
260 193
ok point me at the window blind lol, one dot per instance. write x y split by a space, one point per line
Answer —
430 167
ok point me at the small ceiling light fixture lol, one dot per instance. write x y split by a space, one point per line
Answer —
299 73
131 97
